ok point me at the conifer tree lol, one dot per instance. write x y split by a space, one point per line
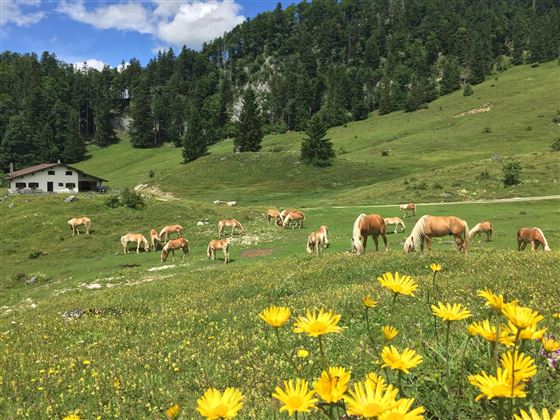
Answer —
315 148
451 77
249 132
194 139
17 143
74 147
142 126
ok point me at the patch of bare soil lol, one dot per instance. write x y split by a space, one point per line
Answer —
483 108
251 253
155 191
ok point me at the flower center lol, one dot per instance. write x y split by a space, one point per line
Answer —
373 410
318 326
295 402
221 410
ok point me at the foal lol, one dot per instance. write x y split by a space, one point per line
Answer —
317 241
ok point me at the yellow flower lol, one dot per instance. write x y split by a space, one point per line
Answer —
331 386
275 316
395 360
524 365
397 284
71 416
488 332
296 398
435 267
550 344
368 399
451 313
316 324
401 411
214 405
493 300
529 333
556 315
86 362
498 386
534 415
376 379
173 411
389 332
521 316
302 353
369 302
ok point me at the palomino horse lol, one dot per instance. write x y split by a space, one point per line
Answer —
134 237
172 245
232 223
534 236
78 221
293 217
169 229
394 221
482 227
155 239
317 241
408 207
216 244
365 225
272 214
429 227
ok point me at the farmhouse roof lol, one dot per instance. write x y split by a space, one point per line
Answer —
43 166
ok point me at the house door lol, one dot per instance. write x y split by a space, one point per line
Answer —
50 186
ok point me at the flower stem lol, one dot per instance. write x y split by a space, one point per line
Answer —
500 409
286 355
447 356
324 357
495 346
393 308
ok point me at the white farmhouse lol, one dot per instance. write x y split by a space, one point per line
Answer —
52 177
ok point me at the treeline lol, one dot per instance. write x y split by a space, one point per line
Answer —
340 60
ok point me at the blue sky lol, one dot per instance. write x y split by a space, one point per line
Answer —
108 32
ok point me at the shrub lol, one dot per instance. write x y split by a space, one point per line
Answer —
512 173
468 91
556 145
384 153
556 119
486 130
152 173
112 201
36 254
421 186
132 199
484 175
437 186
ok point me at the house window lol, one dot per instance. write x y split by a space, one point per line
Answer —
51 172
20 185
68 172
33 185
61 184
70 185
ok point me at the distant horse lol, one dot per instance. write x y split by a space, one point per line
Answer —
155 239
217 244
394 221
285 212
293 217
317 241
410 207
232 223
429 227
169 229
134 237
172 245
272 214
78 221
365 225
534 236
482 227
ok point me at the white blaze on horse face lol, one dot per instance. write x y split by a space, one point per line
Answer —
409 244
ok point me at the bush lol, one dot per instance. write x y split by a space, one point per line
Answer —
484 175
132 199
512 173
486 130
556 145
468 91
112 201
556 119
152 173
437 186
384 153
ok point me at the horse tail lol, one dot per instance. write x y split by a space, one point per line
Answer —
545 242
467 237
209 251
164 253
123 240
403 225
242 228
88 223
357 234
186 246
310 244
162 232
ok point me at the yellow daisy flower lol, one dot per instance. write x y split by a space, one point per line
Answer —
302 353
389 332
534 415
368 399
296 398
550 344
369 302
493 300
529 333
173 411
436 268
316 324
556 315
521 316
398 284
395 360
376 379
524 365
275 316
401 411
215 405
451 313
71 416
331 386
498 386
488 331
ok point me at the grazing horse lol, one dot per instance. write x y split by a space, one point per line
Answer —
394 221
78 221
169 229
534 236
365 225
155 239
429 227
408 207
216 244
232 223
296 216
272 214
317 241
172 245
482 227
134 237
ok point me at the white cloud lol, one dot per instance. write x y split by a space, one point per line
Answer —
123 66
92 63
11 12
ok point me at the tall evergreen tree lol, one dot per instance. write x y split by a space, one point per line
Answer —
17 143
315 148
249 132
194 138
74 147
451 77
142 126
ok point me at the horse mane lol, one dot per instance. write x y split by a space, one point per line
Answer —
418 231
475 229
545 244
357 234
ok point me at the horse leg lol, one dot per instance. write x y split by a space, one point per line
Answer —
376 242
384 241
365 243
138 247
232 230
428 243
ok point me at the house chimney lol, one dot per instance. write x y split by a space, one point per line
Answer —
11 169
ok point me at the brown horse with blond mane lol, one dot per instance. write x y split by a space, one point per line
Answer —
291 218
429 227
533 236
272 214
317 241
155 239
134 237
480 228
179 243
365 225
232 223
169 229
79 221
217 244
410 207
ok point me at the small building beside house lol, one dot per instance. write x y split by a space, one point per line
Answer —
52 177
